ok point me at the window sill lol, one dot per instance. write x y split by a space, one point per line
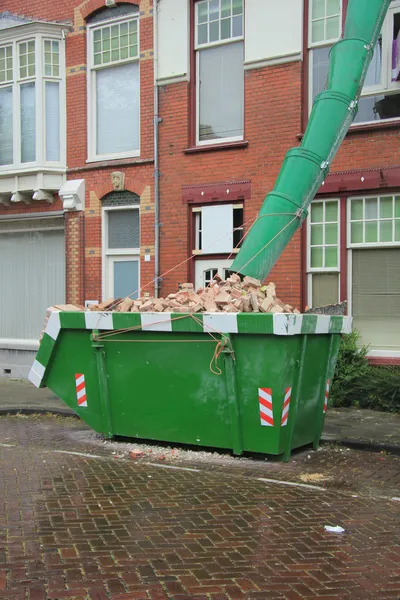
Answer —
213 147
37 183
11 170
201 254
366 127
372 126
115 162
108 157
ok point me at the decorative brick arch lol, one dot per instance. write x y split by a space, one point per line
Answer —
131 185
90 6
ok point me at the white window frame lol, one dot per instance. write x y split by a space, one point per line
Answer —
393 244
350 247
311 269
197 49
205 264
109 256
327 41
91 87
310 284
39 33
315 45
318 270
196 213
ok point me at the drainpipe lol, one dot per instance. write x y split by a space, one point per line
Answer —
157 121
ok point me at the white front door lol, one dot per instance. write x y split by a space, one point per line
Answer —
122 276
121 243
206 269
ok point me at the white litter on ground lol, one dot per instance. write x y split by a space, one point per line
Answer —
84 454
334 529
291 483
171 467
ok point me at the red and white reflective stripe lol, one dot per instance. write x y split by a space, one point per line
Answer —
328 384
286 404
81 389
265 400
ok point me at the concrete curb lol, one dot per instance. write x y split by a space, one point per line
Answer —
370 445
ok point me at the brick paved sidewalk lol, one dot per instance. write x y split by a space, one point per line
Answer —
78 526
19 395
358 428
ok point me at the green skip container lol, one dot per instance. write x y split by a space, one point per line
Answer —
247 382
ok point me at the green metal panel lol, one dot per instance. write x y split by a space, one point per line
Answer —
305 168
312 390
73 355
260 361
165 384
162 388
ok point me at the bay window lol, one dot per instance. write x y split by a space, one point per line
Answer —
114 91
219 70
32 101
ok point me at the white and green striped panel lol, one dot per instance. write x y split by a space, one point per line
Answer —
279 324
249 323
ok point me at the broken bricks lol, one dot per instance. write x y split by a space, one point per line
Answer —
230 296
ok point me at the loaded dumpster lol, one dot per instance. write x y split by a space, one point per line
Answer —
248 382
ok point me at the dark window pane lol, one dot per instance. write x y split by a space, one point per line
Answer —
238 227
123 229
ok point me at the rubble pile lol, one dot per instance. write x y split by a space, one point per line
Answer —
232 296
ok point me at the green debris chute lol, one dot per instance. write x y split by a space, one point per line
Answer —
305 168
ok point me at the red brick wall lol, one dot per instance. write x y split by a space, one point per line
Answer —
377 147
272 120
84 233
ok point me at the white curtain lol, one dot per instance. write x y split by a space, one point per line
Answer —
52 90
6 126
325 289
28 123
376 296
320 67
221 81
117 95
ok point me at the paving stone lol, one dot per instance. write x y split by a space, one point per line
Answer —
82 528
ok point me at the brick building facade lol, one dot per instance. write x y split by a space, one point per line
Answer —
235 82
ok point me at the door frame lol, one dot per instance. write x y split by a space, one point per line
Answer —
108 257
